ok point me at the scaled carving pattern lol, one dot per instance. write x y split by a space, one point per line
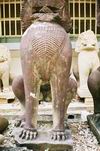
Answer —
88 59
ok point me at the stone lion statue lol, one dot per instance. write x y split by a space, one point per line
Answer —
46 55
4 67
88 60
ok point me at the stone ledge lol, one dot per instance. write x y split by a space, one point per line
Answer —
74 112
74 107
14 149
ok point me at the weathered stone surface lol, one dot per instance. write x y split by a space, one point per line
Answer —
94 125
44 141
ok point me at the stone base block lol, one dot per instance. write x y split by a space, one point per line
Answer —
89 103
7 95
83 92
95 129
43 142
6 101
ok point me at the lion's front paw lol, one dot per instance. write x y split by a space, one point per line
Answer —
28 134
58 135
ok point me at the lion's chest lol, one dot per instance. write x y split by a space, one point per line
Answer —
42 45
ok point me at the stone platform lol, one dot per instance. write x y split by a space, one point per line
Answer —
43 141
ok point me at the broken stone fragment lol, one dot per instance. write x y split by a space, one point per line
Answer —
3 124
2 138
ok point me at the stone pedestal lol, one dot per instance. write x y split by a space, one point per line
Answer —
84 92
44 142
95 128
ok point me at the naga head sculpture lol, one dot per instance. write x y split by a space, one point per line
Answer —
87 41
46 10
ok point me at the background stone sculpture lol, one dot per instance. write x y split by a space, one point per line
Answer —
4 67
88 60
94 87
46 55
4 83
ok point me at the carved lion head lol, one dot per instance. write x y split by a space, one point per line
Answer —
87 41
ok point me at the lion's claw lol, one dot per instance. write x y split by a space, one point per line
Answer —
58 135
28 134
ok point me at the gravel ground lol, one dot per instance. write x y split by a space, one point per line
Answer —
83 138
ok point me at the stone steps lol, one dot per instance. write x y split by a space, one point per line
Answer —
76 111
